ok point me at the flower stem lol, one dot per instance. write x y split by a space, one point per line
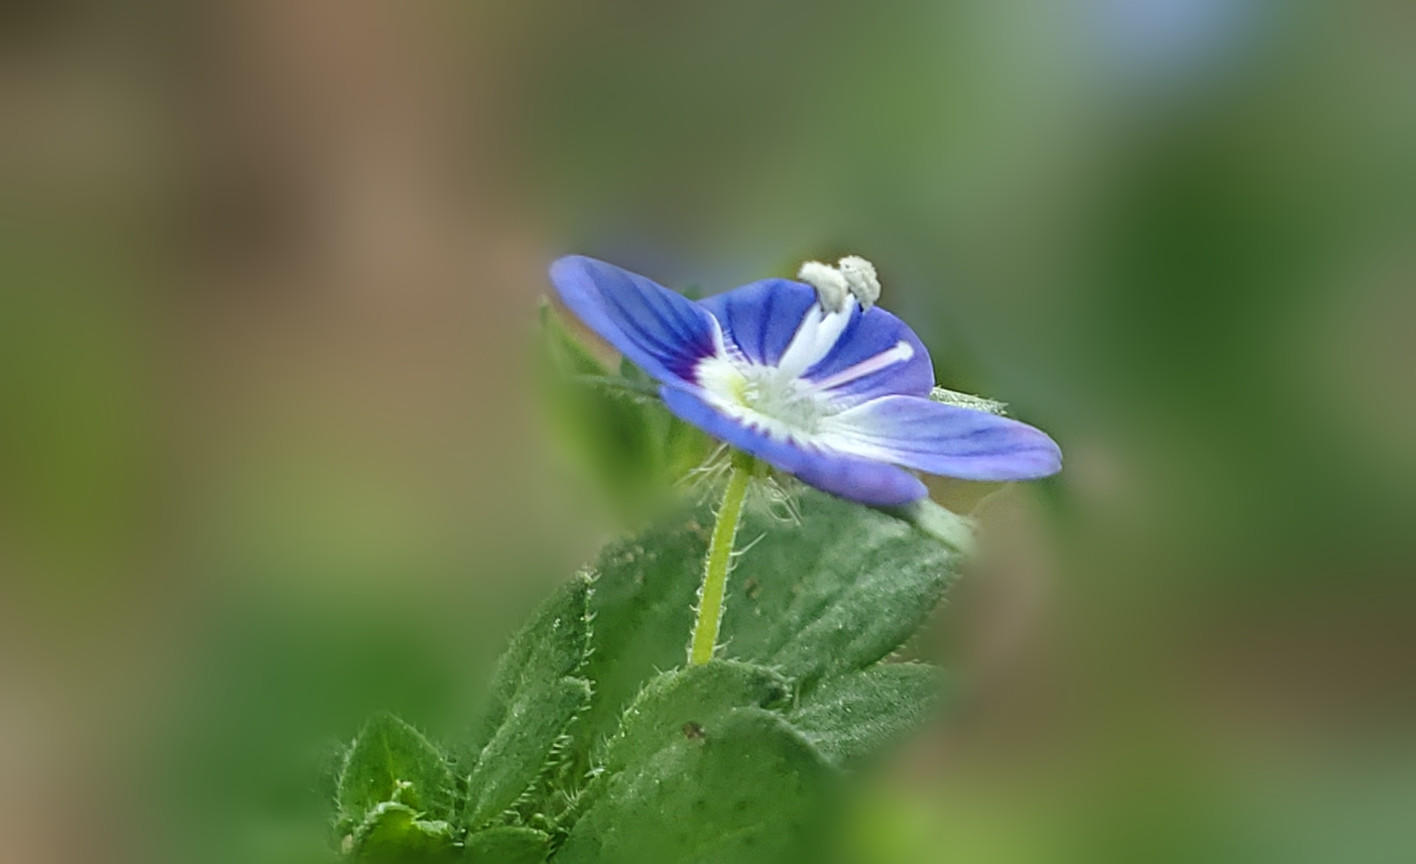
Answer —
715 573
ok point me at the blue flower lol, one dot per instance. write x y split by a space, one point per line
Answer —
816 381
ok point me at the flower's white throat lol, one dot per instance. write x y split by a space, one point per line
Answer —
781 400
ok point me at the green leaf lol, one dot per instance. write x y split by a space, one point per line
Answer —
626 388
857 714
391 761
508 844
832 594
535 694
524 749
392 832
642 607
633 373
566 352
613 424
837 592
689 702
748 789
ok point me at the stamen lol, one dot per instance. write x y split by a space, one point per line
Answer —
814 338
830 284
852 276
885 359
861 279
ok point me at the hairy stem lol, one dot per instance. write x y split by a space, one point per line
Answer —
715 572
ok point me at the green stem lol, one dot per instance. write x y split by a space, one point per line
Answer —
715 573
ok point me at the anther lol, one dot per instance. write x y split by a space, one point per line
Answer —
861 279
830 284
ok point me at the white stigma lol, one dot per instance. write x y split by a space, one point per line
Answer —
830 284
861 279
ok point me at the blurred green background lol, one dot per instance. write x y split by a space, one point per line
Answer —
271 455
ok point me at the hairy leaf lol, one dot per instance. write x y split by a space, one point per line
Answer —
746 788
393 832
642 607
857 714
535 694
831 594
391 761
837 592
688 703
613 423
507 844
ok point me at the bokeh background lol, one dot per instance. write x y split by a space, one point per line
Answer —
272 455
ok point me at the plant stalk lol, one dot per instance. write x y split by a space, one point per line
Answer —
715 571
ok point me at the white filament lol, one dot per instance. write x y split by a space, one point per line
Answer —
814 338
901 352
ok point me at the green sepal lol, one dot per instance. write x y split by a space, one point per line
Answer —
968 400
940 523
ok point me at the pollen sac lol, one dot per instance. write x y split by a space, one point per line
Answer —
861 279
830 284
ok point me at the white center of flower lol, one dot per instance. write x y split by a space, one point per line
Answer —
780 400
783 406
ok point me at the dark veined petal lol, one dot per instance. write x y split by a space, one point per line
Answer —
871 334
664 333
866 480
944 439
761 318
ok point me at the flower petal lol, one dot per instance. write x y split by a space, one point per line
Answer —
761 318
764 318
664 333
943 439
870 334
859 479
